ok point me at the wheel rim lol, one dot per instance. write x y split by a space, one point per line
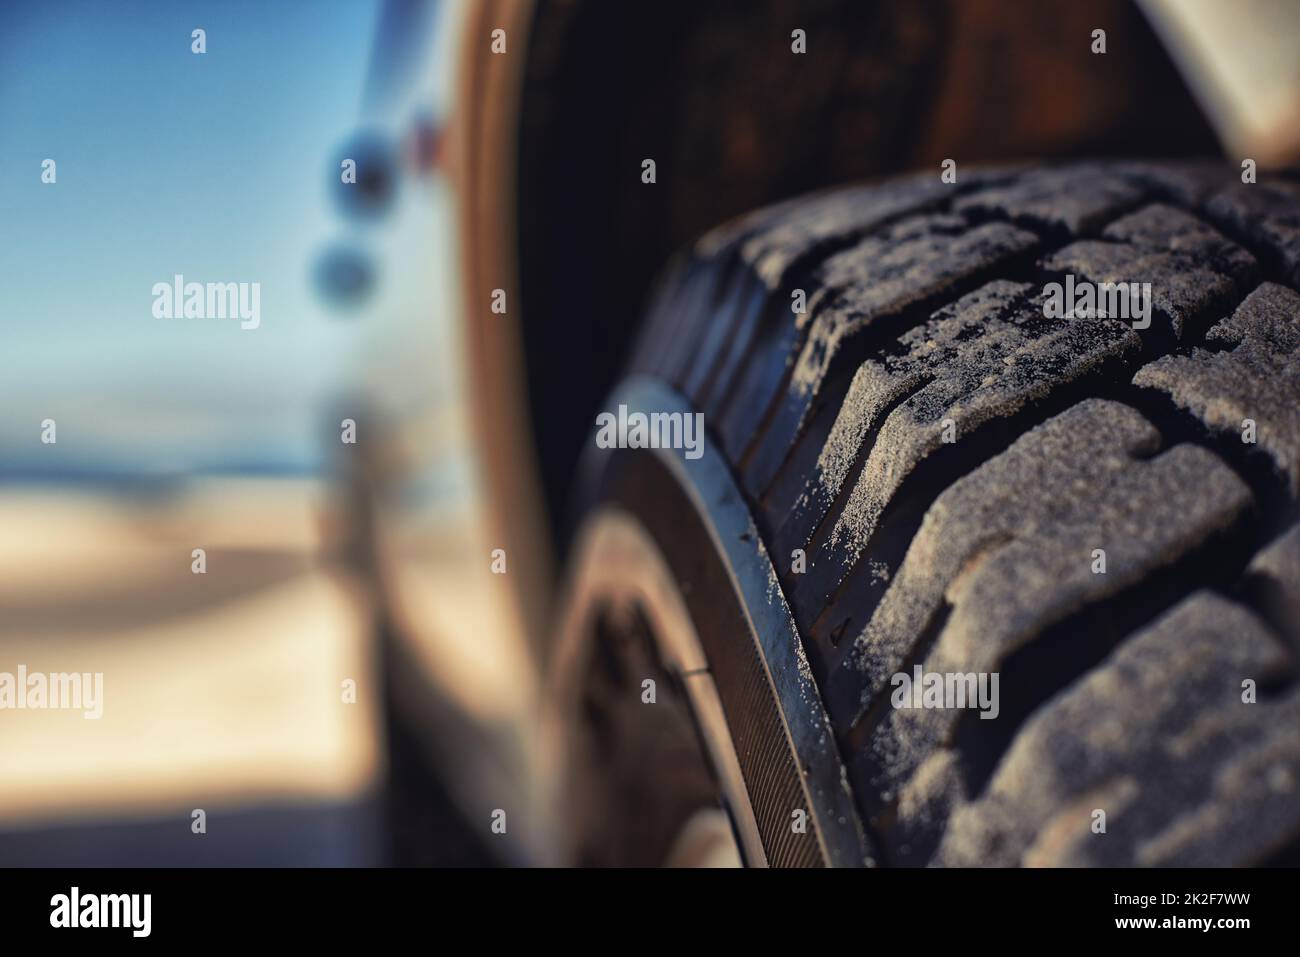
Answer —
714 561
621 577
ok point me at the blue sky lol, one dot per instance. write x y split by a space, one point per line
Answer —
214 166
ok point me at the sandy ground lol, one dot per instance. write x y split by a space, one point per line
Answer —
224 688
229 690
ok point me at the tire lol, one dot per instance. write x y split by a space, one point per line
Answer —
938 475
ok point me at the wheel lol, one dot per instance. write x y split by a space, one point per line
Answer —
954 580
